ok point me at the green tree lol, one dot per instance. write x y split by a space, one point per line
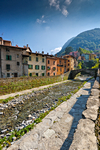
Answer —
79 65
68 50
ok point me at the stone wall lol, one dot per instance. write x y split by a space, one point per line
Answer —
84 136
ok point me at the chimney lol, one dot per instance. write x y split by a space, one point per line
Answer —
36 52
42 52
27 45
47 53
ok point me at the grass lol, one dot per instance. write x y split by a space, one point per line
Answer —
18 134
6 100
22 83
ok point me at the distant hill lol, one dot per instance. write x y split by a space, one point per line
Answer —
61 52
89 40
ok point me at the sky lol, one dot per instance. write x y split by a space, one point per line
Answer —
46 25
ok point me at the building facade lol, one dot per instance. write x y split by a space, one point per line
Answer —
51 65
37 64
11 60
70 62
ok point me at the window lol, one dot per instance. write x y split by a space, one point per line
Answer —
53 62
65 61
7 67
30 74
54 68
18 63
29 58
36 74
48 68
36 58
37 67
30 66
48 61
8 74
17 55
60 61
7 50
43 67
42 74
8 57
60 69
36 54
68 64
68 60
42 59
54 73
48 74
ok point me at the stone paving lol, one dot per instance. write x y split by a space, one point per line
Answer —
56 130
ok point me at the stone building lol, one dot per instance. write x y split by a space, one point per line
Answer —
12 59
70 62
51 66
61 65
37 64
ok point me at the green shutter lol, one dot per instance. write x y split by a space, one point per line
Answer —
6 57
31 66
10 57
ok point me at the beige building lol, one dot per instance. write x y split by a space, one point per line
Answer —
13 59
37 64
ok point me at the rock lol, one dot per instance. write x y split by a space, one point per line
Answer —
3 131
14 138
90 114
48 133
1 113
84 137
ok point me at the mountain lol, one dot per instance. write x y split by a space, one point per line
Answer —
89 40
61 52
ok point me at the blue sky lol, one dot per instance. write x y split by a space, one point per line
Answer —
46 25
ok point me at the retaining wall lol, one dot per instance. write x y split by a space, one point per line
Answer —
84 136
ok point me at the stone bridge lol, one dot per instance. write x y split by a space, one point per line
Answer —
91 72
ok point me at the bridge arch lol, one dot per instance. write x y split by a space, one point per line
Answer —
92 72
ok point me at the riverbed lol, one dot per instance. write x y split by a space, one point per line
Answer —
25 112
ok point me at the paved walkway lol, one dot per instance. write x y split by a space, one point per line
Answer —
30 90
56 130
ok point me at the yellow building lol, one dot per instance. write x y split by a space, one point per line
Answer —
92 56
70 62
37 64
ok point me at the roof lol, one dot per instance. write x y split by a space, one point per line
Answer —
24 48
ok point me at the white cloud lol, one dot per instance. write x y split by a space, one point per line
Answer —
42 16
64 11
68 2
55 3
54 51
41 20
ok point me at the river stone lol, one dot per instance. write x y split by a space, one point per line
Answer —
1 113
48 133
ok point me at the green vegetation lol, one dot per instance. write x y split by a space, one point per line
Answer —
88 39
84 51
88 65
6 100
18 134
13 85
96 64
68 50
